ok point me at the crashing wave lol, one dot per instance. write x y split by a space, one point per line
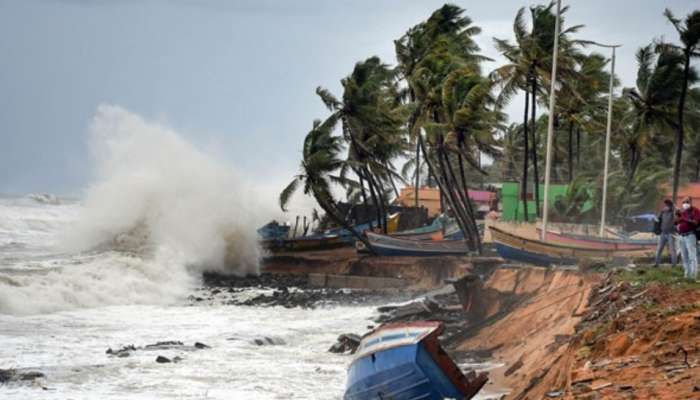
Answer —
45 198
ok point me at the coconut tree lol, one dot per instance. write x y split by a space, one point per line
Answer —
581 99
528 70
448 29
689 33
371 124
319 172
652 103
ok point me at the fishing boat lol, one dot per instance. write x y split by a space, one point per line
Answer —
392 246
306 243
405 361
597 242
427 232
517 248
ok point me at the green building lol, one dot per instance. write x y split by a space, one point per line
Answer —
512 205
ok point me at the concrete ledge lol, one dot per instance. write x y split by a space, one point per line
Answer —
355 282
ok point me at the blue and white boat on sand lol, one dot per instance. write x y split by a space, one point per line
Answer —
404 361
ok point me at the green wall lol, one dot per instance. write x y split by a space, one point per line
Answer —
512 206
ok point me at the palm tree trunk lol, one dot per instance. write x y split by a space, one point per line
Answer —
571 151
433 172
364 199
578 147
526 150
372 192
455 204
417 187
380 196
464 197
679 128
535 167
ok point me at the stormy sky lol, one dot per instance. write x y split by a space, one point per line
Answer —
236 78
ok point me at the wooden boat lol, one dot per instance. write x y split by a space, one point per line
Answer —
434 227
306 243
517 248
391 246
405 361
596 242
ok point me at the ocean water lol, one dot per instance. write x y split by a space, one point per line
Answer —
48 325
117 267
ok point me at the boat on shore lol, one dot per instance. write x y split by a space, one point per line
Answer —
573 239
305 243
405 361
532 251
383 245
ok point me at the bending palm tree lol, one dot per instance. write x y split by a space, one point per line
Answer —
320 161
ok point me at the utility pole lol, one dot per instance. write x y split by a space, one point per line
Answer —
550 124
607 138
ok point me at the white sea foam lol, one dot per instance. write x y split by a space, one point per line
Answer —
152 189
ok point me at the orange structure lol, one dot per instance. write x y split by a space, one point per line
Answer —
691 190
427 197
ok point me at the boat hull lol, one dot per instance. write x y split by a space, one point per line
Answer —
395 247
305 244
405 362
517 248
597 243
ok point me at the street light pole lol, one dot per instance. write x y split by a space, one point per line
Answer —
550 125
607 139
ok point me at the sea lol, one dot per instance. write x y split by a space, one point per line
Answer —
61 311
118 265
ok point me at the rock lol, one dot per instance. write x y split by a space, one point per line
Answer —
263 341
347 342
8 375
162 360
201 346
168 344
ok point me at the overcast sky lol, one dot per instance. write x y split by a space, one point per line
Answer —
235 77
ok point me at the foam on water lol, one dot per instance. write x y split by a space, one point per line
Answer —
152 191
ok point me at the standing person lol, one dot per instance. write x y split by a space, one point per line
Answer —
687 221
664 227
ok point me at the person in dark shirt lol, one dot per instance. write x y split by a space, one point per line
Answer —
665 229
687 221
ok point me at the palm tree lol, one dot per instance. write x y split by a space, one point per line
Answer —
318 172
371 124
651 103
689 32
448 31
529 68
581 98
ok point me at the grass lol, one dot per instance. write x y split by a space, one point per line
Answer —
645 275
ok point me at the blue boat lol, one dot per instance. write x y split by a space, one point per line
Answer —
404 361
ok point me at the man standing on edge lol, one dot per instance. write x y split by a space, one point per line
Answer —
665 229
687 221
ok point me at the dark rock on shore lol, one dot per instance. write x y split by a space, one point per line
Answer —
164 345
264 280
269 341
12 375
288 290
347 342
162 360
